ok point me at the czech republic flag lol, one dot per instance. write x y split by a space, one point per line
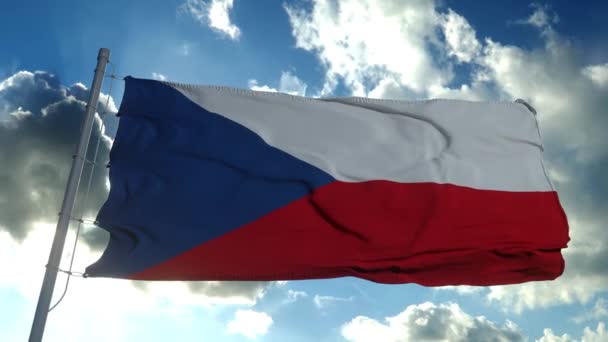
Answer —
216 183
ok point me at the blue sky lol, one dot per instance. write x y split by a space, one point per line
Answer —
552 54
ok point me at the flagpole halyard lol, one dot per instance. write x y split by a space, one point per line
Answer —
52 267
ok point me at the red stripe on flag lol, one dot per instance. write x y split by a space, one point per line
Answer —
387 232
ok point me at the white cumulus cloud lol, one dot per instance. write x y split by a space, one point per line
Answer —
430 322
215 13
288 84
549 336
460 37
249 323
589 335
362 42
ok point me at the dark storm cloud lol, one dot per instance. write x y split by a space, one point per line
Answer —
39 129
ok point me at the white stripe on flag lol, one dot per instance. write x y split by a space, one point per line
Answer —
482 145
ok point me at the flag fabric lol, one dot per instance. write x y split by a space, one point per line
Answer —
216 183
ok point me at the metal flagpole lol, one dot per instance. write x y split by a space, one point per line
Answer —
50 275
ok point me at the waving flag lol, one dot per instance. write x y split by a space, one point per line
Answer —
214 183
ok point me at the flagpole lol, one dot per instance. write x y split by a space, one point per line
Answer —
50 275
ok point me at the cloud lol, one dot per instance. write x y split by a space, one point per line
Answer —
460 37
159 76
288 84
589 335
322 302
115 302
430 322
568 289
361 42
598 74
122 312
549 336
293 296
291 84
541 17
598 311
242 291
550 79
215 13
185 49
249 323
463 289
253 85
39 124
598 335
39 129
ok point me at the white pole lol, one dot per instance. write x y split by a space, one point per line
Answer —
50 275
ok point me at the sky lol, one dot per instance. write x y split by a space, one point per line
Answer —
552 54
